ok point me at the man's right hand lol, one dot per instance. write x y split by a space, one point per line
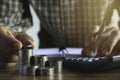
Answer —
102 41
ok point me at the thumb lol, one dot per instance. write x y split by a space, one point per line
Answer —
16 43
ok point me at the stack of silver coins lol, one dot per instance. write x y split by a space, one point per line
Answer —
45 71
43 59
30 70
44 67
24 58
39 65
57 63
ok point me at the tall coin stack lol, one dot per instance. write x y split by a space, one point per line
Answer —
24 58
38 65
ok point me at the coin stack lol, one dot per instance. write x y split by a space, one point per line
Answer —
24 58
57 63
40 65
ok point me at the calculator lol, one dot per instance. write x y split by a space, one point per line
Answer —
80 63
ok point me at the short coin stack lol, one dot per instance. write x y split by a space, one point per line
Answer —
37 65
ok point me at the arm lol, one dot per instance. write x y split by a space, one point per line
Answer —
105 41
11 42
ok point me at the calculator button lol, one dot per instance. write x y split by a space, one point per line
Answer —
73 59
85 59
67 58
90 60
80 58
96 59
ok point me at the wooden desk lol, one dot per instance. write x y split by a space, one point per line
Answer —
66 75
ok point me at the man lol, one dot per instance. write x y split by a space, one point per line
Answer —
66 22
63 23
72 23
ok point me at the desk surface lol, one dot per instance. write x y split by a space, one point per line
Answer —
66 75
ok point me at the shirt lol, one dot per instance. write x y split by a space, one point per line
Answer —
11 15
68 21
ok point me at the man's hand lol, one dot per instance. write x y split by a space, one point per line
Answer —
10 43
102 41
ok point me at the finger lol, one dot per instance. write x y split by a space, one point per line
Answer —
8 66
11 65
9 43
110 43
108 31
92 49
30 42
92 35
25 39
12 39
102 38
8 39
14 58
102 28
88 51
98 40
